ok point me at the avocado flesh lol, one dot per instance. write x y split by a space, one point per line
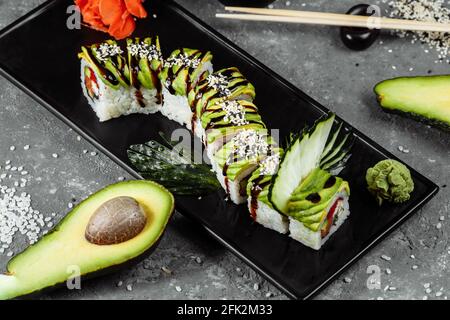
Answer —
97 67
202 97
180 78
265 181
426 98
45 263
316 185
239 166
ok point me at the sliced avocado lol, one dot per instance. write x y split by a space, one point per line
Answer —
234 87
142 69
316 201
236 167
47 263
116 64
179 75
226 132
257 179
105 75
425 98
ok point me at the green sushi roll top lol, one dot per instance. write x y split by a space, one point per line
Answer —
212 89
182 70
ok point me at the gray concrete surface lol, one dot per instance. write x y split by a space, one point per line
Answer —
314 59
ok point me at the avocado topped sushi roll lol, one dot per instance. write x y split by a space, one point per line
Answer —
212 89
144 63
236 160
315 201
318 207
180 74
261 210
222 121
115 83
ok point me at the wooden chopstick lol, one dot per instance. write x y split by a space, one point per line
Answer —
331 19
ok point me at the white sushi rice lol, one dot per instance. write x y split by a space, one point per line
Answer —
270 218
314 239
113 103
176 108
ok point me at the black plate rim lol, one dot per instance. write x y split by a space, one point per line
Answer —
22 85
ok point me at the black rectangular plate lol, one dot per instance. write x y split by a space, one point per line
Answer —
38 53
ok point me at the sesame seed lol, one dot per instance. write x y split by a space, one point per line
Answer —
428 290
12 148
412 256
388 271
385 257
70 205
26 147
414 267
78 138
256 287
426 285
178 288
129 287
347 280
268 294
54 155
119 284
166 270
85 151
439 225
93 153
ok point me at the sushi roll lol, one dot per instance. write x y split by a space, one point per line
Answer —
144 63
181 72
317 208
224 85
261 210
236 160
315 201
221 122
110 87
102 80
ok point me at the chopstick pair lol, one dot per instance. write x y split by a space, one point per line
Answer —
331 19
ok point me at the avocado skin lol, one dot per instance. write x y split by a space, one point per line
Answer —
93 275
107 270
395 109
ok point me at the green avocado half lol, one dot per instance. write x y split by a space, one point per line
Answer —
425 98
50 261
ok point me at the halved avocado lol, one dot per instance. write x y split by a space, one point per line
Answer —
46 263
426 98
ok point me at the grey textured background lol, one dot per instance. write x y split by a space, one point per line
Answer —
314 59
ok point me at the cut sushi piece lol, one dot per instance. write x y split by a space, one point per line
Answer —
102 82
235 161
261 210
144 64
301 157
222 121
317 208
108 86
212 89
180 74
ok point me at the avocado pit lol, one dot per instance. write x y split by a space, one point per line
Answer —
115 221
